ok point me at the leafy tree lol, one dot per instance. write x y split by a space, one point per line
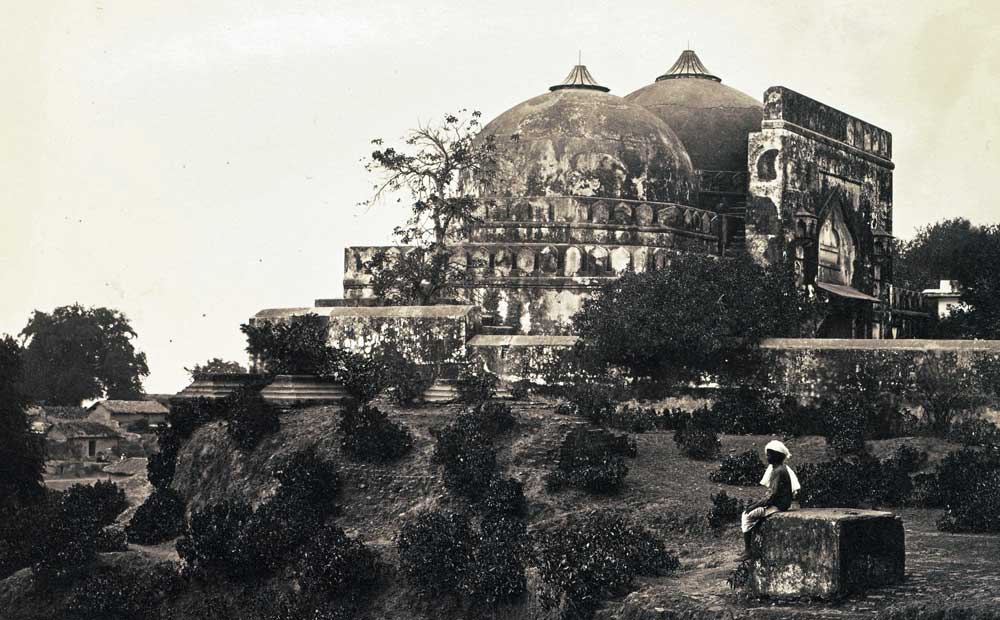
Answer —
933 253
442 167
76 353
217 365
979 283
21 452
297 346
698 314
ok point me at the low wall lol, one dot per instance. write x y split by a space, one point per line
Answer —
519 357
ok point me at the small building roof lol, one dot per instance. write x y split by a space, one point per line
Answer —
80 429
127 467
146 407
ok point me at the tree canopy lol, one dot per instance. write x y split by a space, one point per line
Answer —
933 254
21 453
75 353
696 315
217 365
444 168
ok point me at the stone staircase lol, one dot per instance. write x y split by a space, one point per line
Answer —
303 390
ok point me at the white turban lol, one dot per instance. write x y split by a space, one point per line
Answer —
776 446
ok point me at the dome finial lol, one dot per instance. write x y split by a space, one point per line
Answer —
580 78
688 65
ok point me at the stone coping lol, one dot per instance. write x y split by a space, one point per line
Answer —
435 312
832 514
881 345
497 340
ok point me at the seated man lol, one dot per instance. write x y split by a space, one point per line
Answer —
781 483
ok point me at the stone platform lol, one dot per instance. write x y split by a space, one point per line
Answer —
827 553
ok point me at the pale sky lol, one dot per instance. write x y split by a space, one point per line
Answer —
192 162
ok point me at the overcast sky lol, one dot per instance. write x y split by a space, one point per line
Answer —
192 162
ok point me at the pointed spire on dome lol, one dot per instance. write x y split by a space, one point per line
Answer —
580 78
688 65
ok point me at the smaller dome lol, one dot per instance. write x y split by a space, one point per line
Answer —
579 140
712 119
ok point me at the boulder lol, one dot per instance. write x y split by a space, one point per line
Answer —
826 552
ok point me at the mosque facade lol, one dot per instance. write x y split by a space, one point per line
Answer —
599 185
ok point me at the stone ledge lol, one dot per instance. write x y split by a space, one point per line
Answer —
827 553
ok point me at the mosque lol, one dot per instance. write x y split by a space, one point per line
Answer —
601 185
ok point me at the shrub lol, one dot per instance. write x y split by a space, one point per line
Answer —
370 436
104 500
493 418
249 418
111 539
635 419
467 456
724 510
594 557
595 402
297 346
434 552
968 485
521 389
22 527
592 460
211 545
334 565
832 484
272 535
975 431
306 477
363 376
118 593
476 384
187 414
69 540
940 611
405 381
697 436
505 496
744 469
158 519
498 555
162 464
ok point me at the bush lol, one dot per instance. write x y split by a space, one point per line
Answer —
594 557
595 402
435 549
69 539
697 435
118 593
505 496
334 565
498 555
306 477
104 500
521 389
249 418
940 611
476 384
404 380
211 546
591 460
744 469
296 346
162 464
724 510
370 436
273 534
493 418
832 484
968 485
975 431
160 518
635 419
22 527
187 414
467 455
749 410
363 376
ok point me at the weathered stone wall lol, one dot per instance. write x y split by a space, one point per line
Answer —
519 357
811 159
424 334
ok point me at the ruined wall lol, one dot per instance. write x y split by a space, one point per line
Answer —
519 357
811 159
424 334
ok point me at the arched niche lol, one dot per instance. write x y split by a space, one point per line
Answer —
836 247
767 169
668 216
621 260
548 260
644 215
599 213
599 261
503 262
526 260
640 259
573 263
622 214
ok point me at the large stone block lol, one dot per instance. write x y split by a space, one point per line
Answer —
827 553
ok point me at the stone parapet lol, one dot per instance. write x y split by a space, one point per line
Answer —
304 390
826 553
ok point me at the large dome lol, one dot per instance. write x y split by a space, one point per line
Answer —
578 140
712 119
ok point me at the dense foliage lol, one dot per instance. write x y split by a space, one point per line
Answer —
160 518
967 483
335 565
744 469
434 165
294 346
467 456
78 353
21 452
725 509
216 365
594 557
249 418
476 384
435 549
698 314
119 593
592 460
368 435
860 480
697 435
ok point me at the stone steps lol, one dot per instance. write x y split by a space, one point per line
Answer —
302 390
